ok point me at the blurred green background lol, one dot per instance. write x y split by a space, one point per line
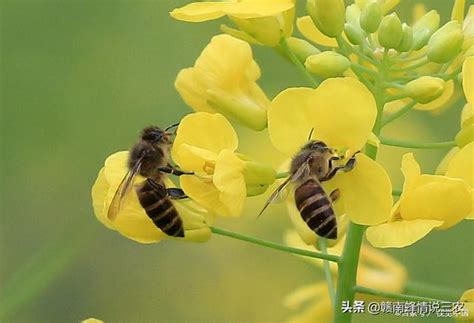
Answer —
79 79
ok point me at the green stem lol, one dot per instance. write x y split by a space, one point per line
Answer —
273 245
322 243
423 61
416 145
292 57
401 297
396 97
398 114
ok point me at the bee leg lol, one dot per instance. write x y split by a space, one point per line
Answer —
176 193
345 168
335 194
173 170
333 158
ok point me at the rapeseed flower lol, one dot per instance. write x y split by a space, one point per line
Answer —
205 144
223 80
343 122
427 202
260 22
132 221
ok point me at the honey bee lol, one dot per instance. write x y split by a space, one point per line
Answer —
312 165
149 157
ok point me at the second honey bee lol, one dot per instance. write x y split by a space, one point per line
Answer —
312 165
150 159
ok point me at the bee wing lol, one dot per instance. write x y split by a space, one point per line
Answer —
301 172
123 189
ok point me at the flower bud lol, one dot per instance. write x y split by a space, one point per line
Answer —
407 39
355 35
257 176
424 28
327 15
458 10
247 112
466 135
390 31
353 15
445 43
370 17
301 48
425 89
327 64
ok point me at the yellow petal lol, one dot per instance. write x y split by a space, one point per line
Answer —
288 120
366 192
191 90
260 8
100 190
461 165
411 170
200 11
308 29
229 180
438 198
400 234
333 114
468 79
197 160
206 131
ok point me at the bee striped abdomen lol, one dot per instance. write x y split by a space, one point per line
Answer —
316 209
160 209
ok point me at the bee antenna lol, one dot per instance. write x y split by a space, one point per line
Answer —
310 134
171 127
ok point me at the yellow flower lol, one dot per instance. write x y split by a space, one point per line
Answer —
92 320
223 80
377 270
132 221
343 122
427 202
205 144
468 28
260 21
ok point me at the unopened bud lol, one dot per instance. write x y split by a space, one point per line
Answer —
327 64
353 15
371 16
257 176
425 89
407 39
327 15
424 28
390 31
301 48
445 43
355 35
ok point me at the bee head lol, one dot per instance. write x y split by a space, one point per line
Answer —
154 135
316 145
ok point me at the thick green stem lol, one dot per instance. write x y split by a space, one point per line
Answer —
401 297
416 145
292 57
273 245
